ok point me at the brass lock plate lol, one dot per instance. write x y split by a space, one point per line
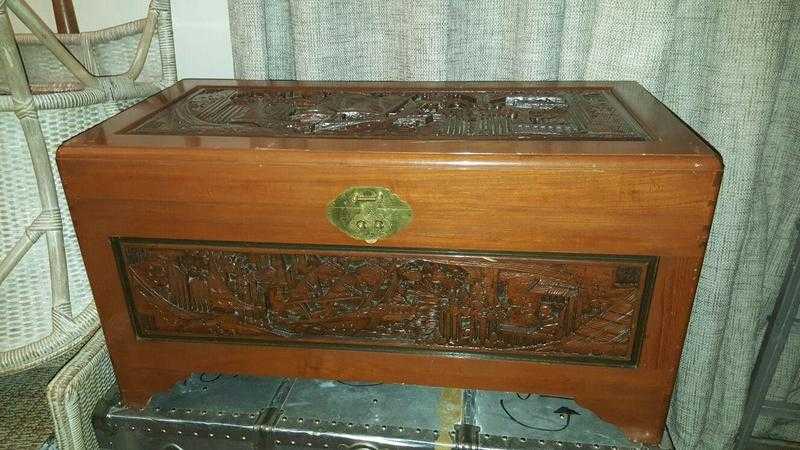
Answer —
369 213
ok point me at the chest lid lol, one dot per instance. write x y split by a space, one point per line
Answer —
502 119
417 114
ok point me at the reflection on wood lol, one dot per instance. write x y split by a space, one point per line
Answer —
507 305
539 114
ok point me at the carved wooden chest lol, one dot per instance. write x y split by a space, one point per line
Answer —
523 237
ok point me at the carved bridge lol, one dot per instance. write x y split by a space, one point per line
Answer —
510 305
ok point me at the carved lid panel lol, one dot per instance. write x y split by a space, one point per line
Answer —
522 114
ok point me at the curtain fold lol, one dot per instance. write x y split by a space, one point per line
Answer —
731 70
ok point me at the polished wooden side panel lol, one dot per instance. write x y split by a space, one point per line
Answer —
648 198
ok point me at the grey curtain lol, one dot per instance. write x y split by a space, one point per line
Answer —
731 69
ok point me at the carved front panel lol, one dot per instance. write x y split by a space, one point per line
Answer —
509 305
524 114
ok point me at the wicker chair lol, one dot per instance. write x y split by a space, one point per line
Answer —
52 87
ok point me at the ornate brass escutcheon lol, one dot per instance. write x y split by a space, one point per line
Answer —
369 213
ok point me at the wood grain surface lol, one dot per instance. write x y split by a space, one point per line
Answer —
651 199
